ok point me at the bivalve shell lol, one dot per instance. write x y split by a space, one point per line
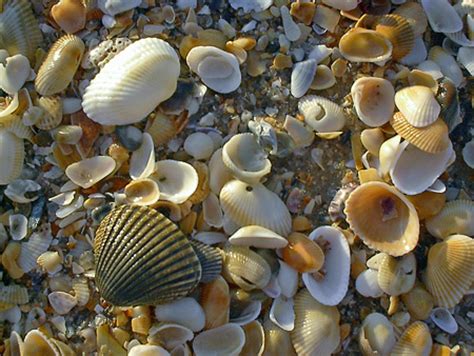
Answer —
254 339
12 155
36 342
397 277
418 105
199 145
442 16
227 339
170 335
321 114
142 162
449 67
399 31
377 335
215 301
257 236
185 311
418 302
302 77
142 192
177 180
415 340
145 350
89 171
14 72
414 14
466 58
303 254
456 217
444 320
362 45
53 112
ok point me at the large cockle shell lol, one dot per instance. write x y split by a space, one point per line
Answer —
383 218
450 272
257 236
316 329
60 65
227 339
89 171
247 204
397 277
377 335
244 157
418 104
145 73
442 16
362 45
12 155
373 100
218 69
457 217
321 114
415 340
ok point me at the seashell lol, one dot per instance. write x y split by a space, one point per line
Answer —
372 140
373 100
257 236
303 12
185 311
19 129
377 335
132 75
414 14
255 205
81 290
9 260
38 243
105 340
163 128
170 335
344 5
60 65
18 226
362 45
456 217
444 320
316 329
302 77
287 279
70 15
12 155
142 162
13 294
250 5
20 31
433 138
203 189
199 145
246 268
114 7
177 180
129 137
215 301
227 339
242 313
254 339
465 57
36 342
449 100
367 284
415 340
212 211
442 16
282 314
418 105
142 192
468 153
218 69
415 170
449 274
396 277
144 350
448 65
418 302
330 287
277 340
303 254
417 54
14 72
394 225
53 112
428 204
62 302
419 77
219 174
245 158
290 27
89 171
323 78
321 114
298 131
68 134
326 18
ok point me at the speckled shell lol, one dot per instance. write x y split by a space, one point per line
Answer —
416 340
60 65
143 258
12 155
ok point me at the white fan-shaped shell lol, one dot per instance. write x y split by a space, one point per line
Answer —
228 339
255 205
321 114
332 288
133 83
31 250
444 320
177 180
442 16
12 155
257 236
302 76
466 58
448 65
418 104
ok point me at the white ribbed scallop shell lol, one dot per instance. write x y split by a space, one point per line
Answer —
12 154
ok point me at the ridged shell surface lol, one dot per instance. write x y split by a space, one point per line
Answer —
12 155
143 258
399 31
418 104
416 340
456 217
133 83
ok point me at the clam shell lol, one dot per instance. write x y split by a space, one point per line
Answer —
255 205
133 247
442 16
257 236
89 171
185 311
287 279
323 79
215 301
142 162
14 72
377 335
344 5
372 140
367 284
302 76
418 302
302 253
362 45
449 271
282 314
199 145
60 65
428 204
244 312
419 77
456 217
177 180
254 339
466 58
36 342
373 100
228 340
244 157
397 277
448 65
171 335
418 105
321 114
433 138
219 174
70 15
383 218
388 154
444 320
212 211
12 155
142 192
417 54
53 112
316 329
144 350
414 14
415 340
146 72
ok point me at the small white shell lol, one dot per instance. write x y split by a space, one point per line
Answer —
199 145
301 135
177 180
172 335
142 162
466 58
282 314
287 279
257 236
185 311
444 320
14 73
226 340
442 16
89 171
12 155
16 191
448 65
321 114
292 30
251 5
418 104
302 76
367 284
37 243
114 7
18 226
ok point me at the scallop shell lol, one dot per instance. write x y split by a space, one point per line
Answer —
316 329
132 247
383 218
414 14
449 271
302 76
36 342
142 162
444 320
415 340
146 72
244 157
142 192
448 65
397 277
418 105
12 155
257 236
254 339
442 16
60 65
255 205
433 138
185 311
321 114
373 100
218 69
89 171
37 243
418 53
418 302
53 112
19 29
215 300
228 340
377 335
362 45
466 58
457 217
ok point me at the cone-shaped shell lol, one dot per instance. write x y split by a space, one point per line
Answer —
228 340
433 138
397 277
316 329
133 83
362 45
143 258
244 157
457 217
12 155
442 16
255 205
257 236
89 171
415 340
373 100
377 335
321 114
60 65
450 271
418 104
383 218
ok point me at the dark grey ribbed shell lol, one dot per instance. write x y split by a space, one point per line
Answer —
210 259
143 258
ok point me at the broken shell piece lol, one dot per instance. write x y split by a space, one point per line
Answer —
367 284
50 261
18 226
292 30
414 14
277 340
245 158
219 174
448 65
419 77
199 145
444 320
465 57
38 243
456 217
142 162
442 16
257 236
428 204
244 312
89 171
326 18
415 340
397 277
227 339
62 302
302 77
53 113
418 105
212 211
377 335
14 73
218 69
185 311
362 45
23 191
298 131
344 5
321 114
12 155
282 314
287 279
142 192
399 31
251 5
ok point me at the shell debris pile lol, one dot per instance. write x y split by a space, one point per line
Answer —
265 177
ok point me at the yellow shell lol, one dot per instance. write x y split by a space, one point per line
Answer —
418 302
12 155
254 339
450 272
277 340
383 218
427 204
60 65
457 217
203 189
419 77
396 277
163 128
416 340
37 343
303 254
362 45
142 192
53 112
70 15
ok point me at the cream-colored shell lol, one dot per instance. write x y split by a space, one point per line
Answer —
298 131
89 171
14 73
185 311
12 155
344 5
36 342
133 83
148 350
362 45
418 104
377 335
142 192
442 16
456 217
321 114
397 277
372 140
227 339
257 236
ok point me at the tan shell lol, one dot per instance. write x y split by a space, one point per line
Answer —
362 45
397 277
415 340
254 339
227 339
377 335
419 77
215 300
277 340
372 139
383 218
457 217
142 192
257 236
89 171
60 65
323 79
53 112
163 128
12 155
38 343
418 302
428 204
303 254
418 104
414 14
70 15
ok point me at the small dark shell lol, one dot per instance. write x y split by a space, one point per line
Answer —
210 259
143 258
